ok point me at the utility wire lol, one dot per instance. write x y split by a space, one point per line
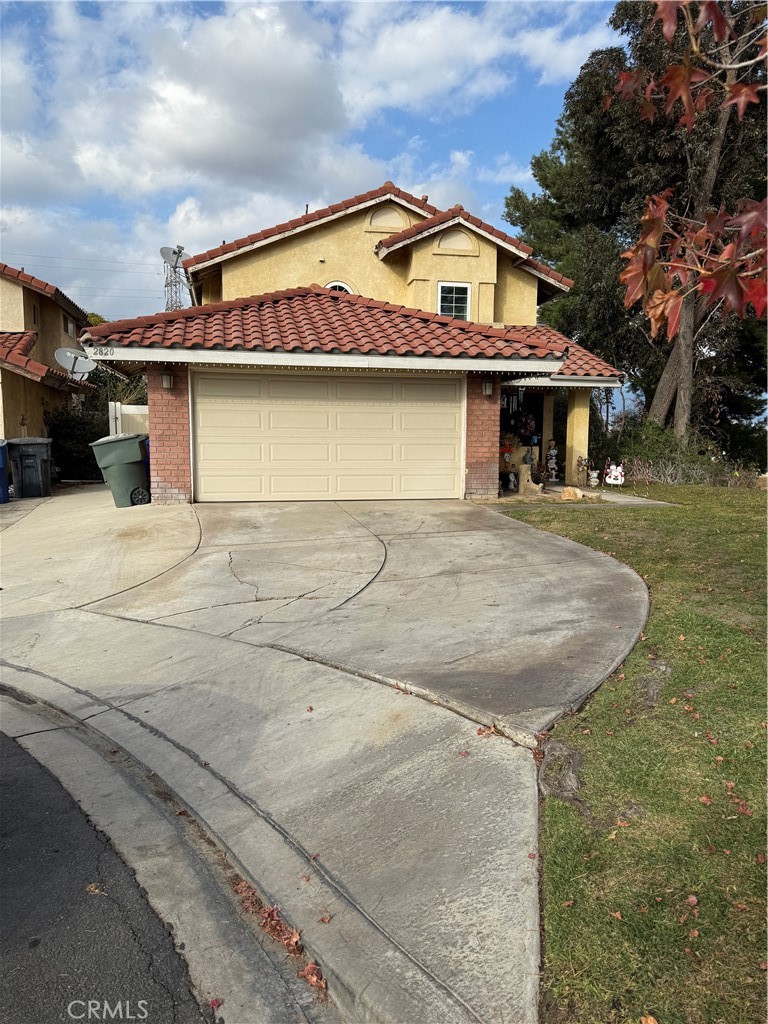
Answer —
78 259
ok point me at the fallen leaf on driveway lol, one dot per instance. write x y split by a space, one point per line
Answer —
310 708
531 856
182 813
463 753
325 919
95 889
313 976
216 1003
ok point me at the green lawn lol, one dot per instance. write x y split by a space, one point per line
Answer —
653 877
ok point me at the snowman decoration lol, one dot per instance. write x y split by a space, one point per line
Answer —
614 475
552 461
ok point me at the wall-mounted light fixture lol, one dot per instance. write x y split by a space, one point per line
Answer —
487 387
166 379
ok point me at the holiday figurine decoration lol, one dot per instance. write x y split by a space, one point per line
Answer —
552 461
614 474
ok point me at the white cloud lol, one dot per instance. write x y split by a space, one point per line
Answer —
132 125
559 57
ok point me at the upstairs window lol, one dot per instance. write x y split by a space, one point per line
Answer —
69 325
453 299
339 286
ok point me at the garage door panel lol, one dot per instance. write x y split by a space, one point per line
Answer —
299 389
365 390
296 485
365 453
445 454
430 421
369 420
265 437
297 421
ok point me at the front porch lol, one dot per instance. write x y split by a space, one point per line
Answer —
531 419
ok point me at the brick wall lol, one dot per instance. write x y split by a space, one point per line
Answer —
483 421
169 434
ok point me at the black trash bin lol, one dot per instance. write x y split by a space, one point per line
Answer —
30 459
122 460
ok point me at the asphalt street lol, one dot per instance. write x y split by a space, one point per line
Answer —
78 939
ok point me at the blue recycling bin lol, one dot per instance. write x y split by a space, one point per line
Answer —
3 471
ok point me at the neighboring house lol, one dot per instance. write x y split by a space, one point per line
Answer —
36 318
373 349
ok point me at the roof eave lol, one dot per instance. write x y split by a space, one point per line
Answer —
317 360
260 243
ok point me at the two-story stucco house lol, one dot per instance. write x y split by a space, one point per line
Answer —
372 349
36 318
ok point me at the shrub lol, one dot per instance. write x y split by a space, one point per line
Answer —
693 460
71 432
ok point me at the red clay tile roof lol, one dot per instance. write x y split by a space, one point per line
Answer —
15 347
458 213
315 319
387 189
12 274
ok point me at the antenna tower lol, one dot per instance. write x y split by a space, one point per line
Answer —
175 281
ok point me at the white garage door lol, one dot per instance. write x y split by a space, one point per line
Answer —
271 437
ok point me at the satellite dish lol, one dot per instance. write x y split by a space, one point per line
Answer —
173 257
75 362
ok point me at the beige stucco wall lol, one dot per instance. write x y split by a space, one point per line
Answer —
516 294
430 265
341 250
25 399
11 306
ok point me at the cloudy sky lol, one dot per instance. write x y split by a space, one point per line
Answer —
127 126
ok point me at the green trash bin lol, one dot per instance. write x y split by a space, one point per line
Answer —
122 461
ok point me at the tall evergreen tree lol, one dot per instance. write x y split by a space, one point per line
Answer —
594 180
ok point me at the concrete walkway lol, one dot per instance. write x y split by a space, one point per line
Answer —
247 673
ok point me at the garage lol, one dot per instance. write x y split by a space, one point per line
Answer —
326 436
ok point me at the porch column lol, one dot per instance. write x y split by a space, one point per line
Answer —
576 432
548 422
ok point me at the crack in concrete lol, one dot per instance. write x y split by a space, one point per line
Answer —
231 568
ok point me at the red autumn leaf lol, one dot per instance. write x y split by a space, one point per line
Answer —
313 976
710 848
216 1003
568 903
677 80
741 95
616 914
623 824
463 753
693 933
692 900
666 13
750 220
730 785
325 919
756 293
182 813
705 799
740 906
310 708
709 11
531 856
629 83
760 858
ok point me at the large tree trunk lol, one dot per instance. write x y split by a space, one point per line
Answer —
686 342
691 315
666 389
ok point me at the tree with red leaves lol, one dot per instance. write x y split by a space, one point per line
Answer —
689 262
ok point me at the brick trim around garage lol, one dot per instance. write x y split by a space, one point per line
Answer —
169 435
483 422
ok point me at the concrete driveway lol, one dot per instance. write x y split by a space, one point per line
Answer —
240 652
